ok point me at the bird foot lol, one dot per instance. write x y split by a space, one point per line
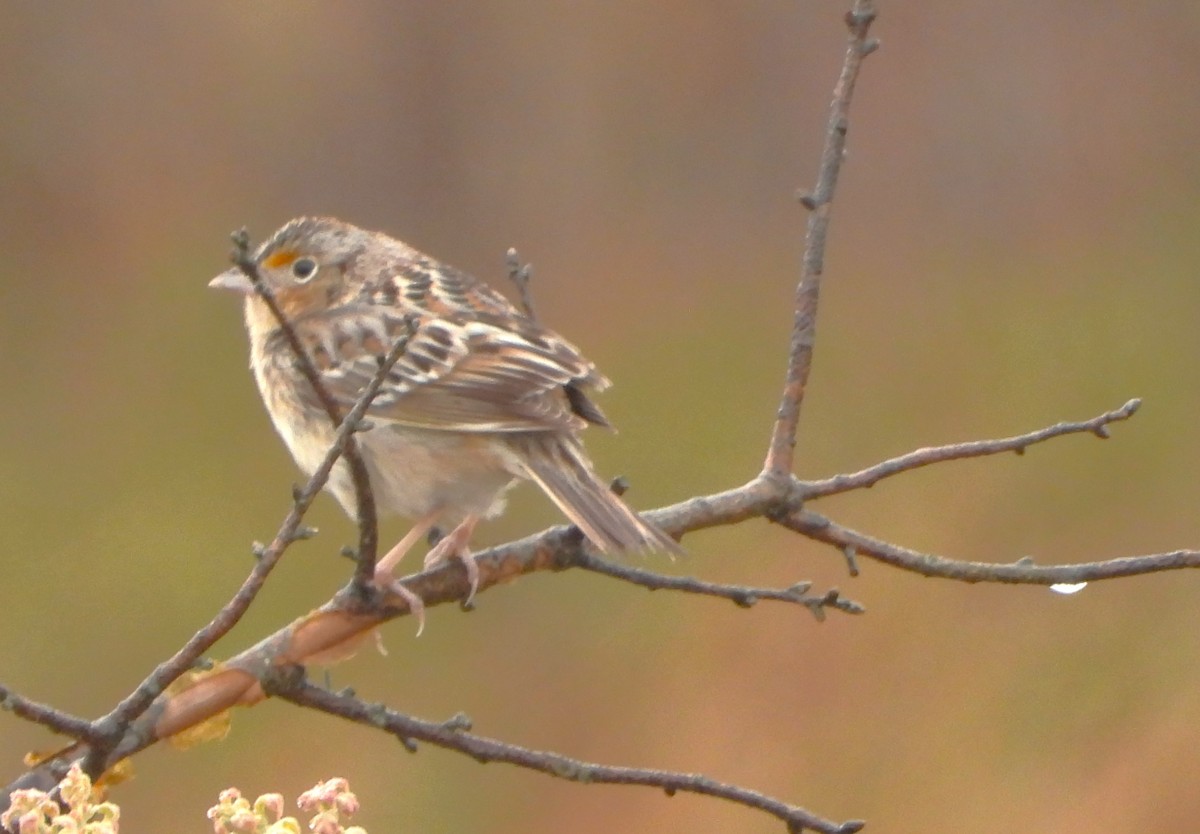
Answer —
455 547
416 606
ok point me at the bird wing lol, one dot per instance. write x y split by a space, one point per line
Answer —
479 373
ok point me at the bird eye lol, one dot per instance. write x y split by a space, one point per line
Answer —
304 268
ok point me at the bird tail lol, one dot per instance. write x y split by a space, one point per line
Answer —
561 468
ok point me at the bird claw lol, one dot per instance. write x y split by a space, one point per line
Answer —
416 605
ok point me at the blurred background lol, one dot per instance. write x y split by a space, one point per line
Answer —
1014 243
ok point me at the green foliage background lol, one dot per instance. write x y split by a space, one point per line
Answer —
1014 244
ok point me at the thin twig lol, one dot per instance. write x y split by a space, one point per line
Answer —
53 719
1021 572
365 513
521 274
778 463
744 596
870 476
113 725
453 735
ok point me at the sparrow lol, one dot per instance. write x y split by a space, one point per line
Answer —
482 397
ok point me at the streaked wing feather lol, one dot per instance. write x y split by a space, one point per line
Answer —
467 375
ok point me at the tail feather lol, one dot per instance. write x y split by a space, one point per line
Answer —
561 468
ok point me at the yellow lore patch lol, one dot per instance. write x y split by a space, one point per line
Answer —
281 258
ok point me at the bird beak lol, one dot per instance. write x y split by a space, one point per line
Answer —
234 280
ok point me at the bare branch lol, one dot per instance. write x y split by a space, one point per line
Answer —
751 500
1021 572
366 514
340 626
960 451
744 596
453 735
778 464
115 724
55 720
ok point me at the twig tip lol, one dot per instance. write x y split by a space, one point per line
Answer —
860 19
851 554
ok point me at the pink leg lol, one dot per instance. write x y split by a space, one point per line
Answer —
454 545
392 558
384 568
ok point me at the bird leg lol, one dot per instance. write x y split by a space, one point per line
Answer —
386 579
385 566
454 546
